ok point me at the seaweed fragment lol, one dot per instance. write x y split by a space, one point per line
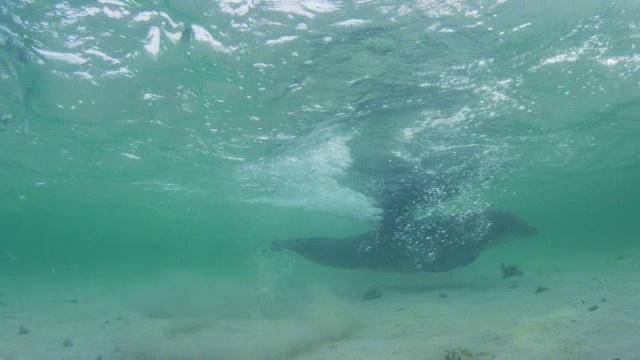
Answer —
510 270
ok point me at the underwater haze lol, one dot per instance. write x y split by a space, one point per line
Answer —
151 151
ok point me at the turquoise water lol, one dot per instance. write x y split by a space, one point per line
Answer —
141 138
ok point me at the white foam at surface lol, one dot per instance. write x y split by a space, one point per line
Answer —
201 34
152 42
351 22
102 55
113 2
145 16
280 40
70 58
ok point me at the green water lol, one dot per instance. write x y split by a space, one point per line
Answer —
151 151
153 136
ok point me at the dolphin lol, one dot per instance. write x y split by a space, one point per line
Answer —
427 244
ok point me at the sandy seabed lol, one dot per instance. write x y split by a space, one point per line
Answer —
586 308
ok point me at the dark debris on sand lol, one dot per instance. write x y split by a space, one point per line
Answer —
541 289
510 270
22 330
466 354
371 294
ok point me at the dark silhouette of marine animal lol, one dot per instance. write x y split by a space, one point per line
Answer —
400 242
428 244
